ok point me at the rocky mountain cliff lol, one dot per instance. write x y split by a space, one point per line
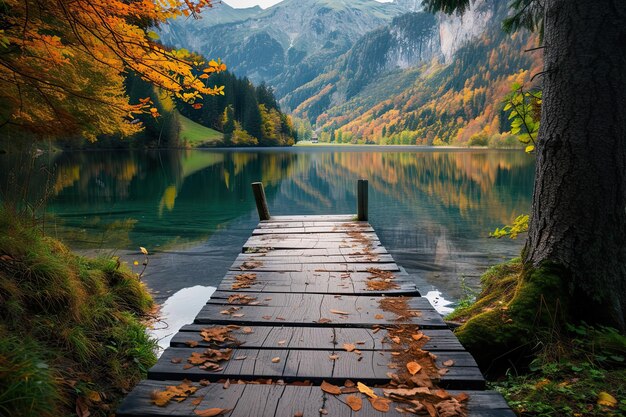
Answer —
285 45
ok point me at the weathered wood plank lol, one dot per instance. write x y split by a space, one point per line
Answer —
276 224
247 400
316 309
306 244
313 218
240 265
315 259
311 230
272 252
320 338
369 367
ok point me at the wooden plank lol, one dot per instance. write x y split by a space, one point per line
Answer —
315 259
315 309
248 400
277 224
272 252
311 230
272 266
305 244
313 218
370 367
326 237
320 338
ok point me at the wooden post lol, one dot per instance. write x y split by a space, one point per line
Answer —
361 200
261 202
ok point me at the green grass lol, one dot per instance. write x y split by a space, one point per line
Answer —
70 327
193 134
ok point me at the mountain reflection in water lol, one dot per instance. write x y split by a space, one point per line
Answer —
193 209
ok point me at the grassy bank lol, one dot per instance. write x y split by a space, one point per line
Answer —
543 368
71 337
194 135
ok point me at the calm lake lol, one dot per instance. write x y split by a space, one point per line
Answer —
433 209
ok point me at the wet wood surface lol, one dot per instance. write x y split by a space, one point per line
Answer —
309 299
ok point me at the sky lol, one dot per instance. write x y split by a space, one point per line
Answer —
263 3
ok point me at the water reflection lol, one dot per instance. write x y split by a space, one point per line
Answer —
431 208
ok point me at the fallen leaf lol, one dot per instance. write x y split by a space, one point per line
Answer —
239 358
176 360
396 340
211 412
226 384
417 336
323 411
238 315
282 342
380 404
324 320
354 402
187 366
364 389
349 383
333 357
81 408
443 371
345 313
275 360
330 388
606 399
449 362
191 343
413 367
205 382
247 330
379 317
461 397
197 401
349 347
298 414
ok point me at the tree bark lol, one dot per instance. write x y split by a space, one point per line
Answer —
578 216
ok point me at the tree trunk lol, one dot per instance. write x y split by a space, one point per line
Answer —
579 204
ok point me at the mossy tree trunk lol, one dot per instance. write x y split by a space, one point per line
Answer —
578 215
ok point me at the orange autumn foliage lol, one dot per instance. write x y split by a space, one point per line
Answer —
63 64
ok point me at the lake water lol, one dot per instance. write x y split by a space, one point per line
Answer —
432 208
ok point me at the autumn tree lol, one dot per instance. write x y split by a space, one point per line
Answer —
577 232
63 63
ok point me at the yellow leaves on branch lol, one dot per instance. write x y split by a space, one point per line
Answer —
63 64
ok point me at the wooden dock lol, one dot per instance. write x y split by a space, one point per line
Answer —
313 306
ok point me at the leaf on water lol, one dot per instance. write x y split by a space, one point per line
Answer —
380 404
345 313
606 399
449 362
413 367
354 402
364 389
349 347
211 412
275 360
330 388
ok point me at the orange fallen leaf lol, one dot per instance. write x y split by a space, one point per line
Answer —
364 389
191 343
211 412
413 367
247 330
379 317
449 362
324 320
349 347
330 388
380 404
354 402
275 360
417 336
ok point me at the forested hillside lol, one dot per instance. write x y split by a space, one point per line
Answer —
407 84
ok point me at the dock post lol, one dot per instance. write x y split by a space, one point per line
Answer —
261 202
362 200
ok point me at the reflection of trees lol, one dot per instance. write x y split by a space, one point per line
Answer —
464 181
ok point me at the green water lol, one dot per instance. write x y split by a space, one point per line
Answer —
432 209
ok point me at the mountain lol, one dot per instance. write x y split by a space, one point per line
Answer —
285 45
422 79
